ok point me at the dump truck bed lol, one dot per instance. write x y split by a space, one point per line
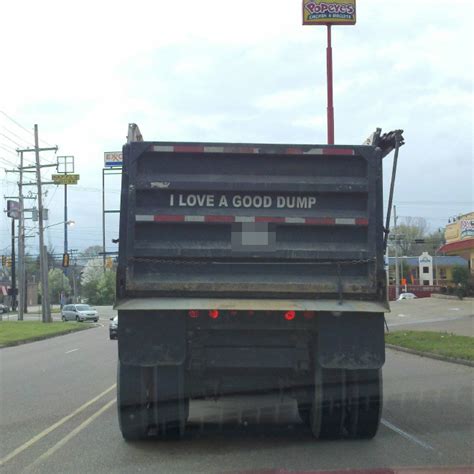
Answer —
251 221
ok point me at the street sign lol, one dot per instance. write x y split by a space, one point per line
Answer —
329 12
65 178
65 164
13 209
113 159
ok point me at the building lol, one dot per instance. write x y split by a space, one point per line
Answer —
426 270
459 236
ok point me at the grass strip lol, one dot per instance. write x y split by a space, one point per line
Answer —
439 343
18 332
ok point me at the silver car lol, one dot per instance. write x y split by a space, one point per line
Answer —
79 312
113 328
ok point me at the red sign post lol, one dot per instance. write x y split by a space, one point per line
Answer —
328 13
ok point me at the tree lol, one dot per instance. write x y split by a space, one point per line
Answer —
411 229
461 277
92 251
106 288
98 286
57 282
91 275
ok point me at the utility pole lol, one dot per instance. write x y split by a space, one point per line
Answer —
397 276
22 300
13 267
45 308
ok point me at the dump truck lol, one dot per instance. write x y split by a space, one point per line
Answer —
252 269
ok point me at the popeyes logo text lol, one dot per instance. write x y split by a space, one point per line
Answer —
327 12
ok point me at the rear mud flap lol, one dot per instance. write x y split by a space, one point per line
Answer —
351 341
150 338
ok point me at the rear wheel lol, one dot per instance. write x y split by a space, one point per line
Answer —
132 401
328 405
169 407
364 402
151 402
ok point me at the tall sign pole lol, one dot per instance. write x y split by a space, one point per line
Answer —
328 13
330 109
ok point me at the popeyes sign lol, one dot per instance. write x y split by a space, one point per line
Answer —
329 12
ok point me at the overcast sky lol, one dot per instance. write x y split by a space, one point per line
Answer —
235 71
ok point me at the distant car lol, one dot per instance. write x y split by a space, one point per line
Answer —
113 328
79 312
407 296
3 308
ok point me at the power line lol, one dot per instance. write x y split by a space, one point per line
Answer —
9 149
13 141
17 136
30 132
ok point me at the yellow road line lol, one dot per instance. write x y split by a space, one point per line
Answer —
69 436
45 432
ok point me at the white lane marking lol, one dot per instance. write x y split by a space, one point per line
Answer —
70 435
406 435
45 432
454 309
402 315
72 350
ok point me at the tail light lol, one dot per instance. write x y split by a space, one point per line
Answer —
290 315
193 314
213 313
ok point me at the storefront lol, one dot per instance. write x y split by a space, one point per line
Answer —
459 237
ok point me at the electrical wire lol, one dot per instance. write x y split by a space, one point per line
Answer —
17 136
24 128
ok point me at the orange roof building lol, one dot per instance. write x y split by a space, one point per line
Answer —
460 239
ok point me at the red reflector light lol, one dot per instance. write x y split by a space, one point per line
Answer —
290 315
309 314
251 312
233 312
193 314
213 314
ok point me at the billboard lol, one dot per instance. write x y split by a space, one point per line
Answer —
65 178
329 12
112 158
13 209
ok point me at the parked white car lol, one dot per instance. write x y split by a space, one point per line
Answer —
407 296
79 312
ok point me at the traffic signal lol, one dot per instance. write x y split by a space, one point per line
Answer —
109 263
9 262
4 260
65 260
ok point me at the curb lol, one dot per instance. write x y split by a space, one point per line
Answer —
42 338
450 297
430 355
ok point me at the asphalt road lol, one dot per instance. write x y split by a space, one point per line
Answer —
432 314
58 415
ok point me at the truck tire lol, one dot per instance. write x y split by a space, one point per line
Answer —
132 401
328 405
169 408
364 402
304 399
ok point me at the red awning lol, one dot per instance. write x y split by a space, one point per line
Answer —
457 246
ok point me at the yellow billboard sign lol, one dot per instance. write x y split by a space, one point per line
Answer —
329 12
65 178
